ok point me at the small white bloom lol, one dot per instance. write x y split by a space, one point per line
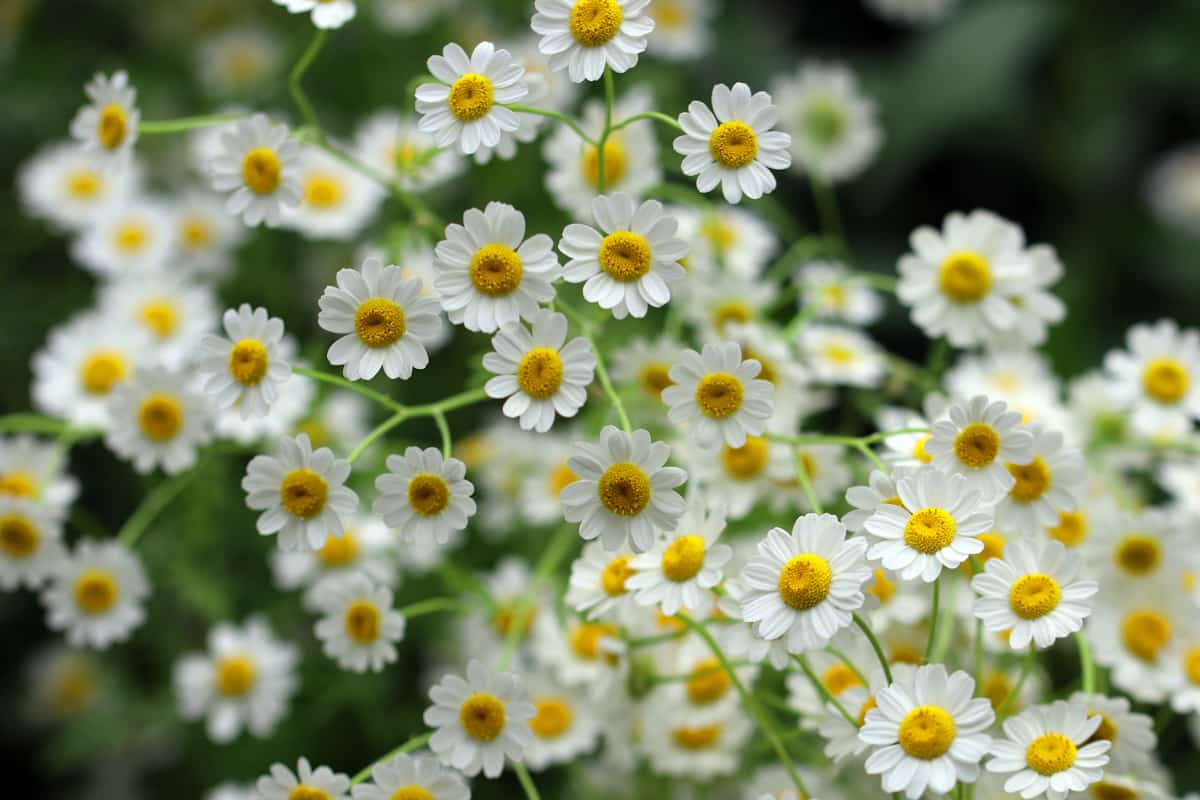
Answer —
69 187
245 368
842 356
599 583
30 542
238 60
305 782
286 415
258 166
95 594
32 469
175 312
336 201
586 36
678 571
366 547
831 290
682 28
1131 733
391 142
158 420
1134 634
1157 378
726 239
976 442
646 364
205 234
1048 749
108 125
326 15
719 395
468 104
133 239
417 777
564 725
359 628
424 495
680 748
1048 486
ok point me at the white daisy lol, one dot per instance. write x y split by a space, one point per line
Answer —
865 500
391 142
69 187
719 395
108 125
1129 550
624 492
717 305
739 478
1045 488
325 14
927 732
1021 377
678 571
1131 734
1133 633
158 420
175 312
726 238
286 416
359 628
842 356
700 689
95 594
682 28
337 202
424 495
244 682
586 36
245 367
468 104
681 749
130 240
553 89
205 234
733 145
489 274
830 290
405 777
1049 750
305 783
366 547
1157 378
300 493
238 60
258 167
646 364
599 583
564 725
30 542
976 442
480 721
32 469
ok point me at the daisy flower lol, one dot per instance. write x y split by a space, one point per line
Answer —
599 582
480 721
646 364
1019 376
830 290
842 356
285 417
405 777
741 477
726 238
1134 549
564 725
700 750
95 594
625 491
977 441
1134 634
424 495
244 368
825 468
359 628
468 103
238 60
1033 592
70 188
175 312
30 542
719 395
326 15
682 29
538 374
243 682
586 36
108 125
938 525
733 145
866 500
321 783
678 571
1048 748
158 420
257 165
336 203
489 274
384 322
301 494
1131 734
590 656
390 142
366 547
1046 487
716 306
133 239
204 234
1157 378
32 469
927 732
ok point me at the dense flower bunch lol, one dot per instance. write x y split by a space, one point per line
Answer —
724 594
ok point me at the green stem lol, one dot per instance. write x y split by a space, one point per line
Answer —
606 384
933 618
942 643
378 431
654 115
827 210
33 423
845 659
354 386
806 484
151 506
869 454
1011 697
559 546
865 627
556 115
609 93
531 791
823 690
183 124
1087 667
650 641
429 606
440 418
978 652
297 75
412 744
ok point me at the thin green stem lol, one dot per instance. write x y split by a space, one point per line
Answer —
822 689
444 429
414 743
865 627
978 645
531 791
827 210
606 384
1011 697
559 546
297 75
378 431
869 454
650 641
184 124
33 423
152 505
845 659
430 605
1087 667
806 484
609 94
942 643
654 115
354 386
933 618
555 115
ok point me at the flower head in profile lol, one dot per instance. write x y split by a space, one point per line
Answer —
467 104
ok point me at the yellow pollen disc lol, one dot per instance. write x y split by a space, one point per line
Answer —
195 233
1050 753
428 494
379 322
1072 528
1034 595
323 191
596 22
733 144
719 394
540 373
698 737
19 537
1166 380
471 97
102 370
18 484
839 678
683 558
1104 790
1033 479
1106 731
412 792
303 792
965 277
929 530
732 311
834 295
747 461
996 688
362 622
482 716
708 682
977 445
248 362
339 551
654 377
766 371
867 706
110 129
919 449
625 256
624 489
993 546
904 653
669 14
585 640
235 675
303 493
1191 665
824 122
882 589
506 617
614 575
840 354
73 690
160 316
1145 633
96 591
719 234
804 581
553 717
496 270
560 478
262 170
130 237
1138 554
84 184
927 732
616 161
160 417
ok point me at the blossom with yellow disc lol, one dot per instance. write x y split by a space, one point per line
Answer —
245 367
584 37
1051 751
1157 378
678 572
159 419
96 593
425 495
359 628
257 166
108 125
468 104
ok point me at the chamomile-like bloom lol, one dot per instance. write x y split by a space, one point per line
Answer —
30 542
927 732
305 783
1131 733
626 265
238 59
245 368
1033 592
359 628
937 526
728 239
325 14
405 777
732 145
564 726
480 721
384 321
978 441
646 364
1157 378
1045 488
133 239
682 28
719 395
842 356
366 547
695 749
1135 632
336 203
599 583
1050 752
204 234
244 681
257 165
33 469
424 495
538 371
301 494
586 36
678 571
625 491
830 290
175 312
391 142
468 103
69 187
158 420
805 585
95 594
108 125
1132 550
489 274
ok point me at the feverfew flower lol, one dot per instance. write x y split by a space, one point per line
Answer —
95 594
69 187
245 367
305 782
336 201
599 581
728 239
565 725
1131 734
733 145
326 14
257 165
204 234
175 312
1047 487
586 36
359 628
133 239
842 356
424 495
1157 378
390 142
405 777
977 441
719 395
1050 751
30 542
677 573
682 28
467 105
158 420
831 290
108 126
32 469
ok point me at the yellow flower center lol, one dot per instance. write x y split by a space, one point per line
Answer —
552 719
1145 633
1191 665
19 537
839 353
561 477
719 394
84 184
683 558
1166 380
471 97
804 581
614 575
624 489
195 233
965 277
130 237
339 551
1072 528
540 373
362 622
996 688
482 716
929 530
732 311
927 732
834 295
616 161
323 191
303 792
824 122
596 22
303 493
977 445
262 170
708 682
1034 595
1111 791
1050 753
883 589
653 377
160 316
235 675
867 706
1138 554
428 494
839 678
1033 479
625 256
918 451
160 417
719 234
669 14
993 546
379 322
96 591
697 737
412 792
111 127
18 484
1106 731
766 371
102 370
585 640
747 461
73 690
506 617
496 270
248 362
733 144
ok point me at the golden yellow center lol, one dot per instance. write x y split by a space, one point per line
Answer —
996 688
362 622
19 537
616 161
1138 554
552 719
653 377
323 191
496 270
918 451
614 575
1072 528
719 394
1166 380
412 792
507 616
262 170
747 461
1034 595
732 311
1191 665
708 682
840 354
304 792
866 706
683 558
1106 731
235 675
624 489
471 97
883 589
926 732
595 22
338 551
1033 479
1145 633
977 445
482 716
84 184
697 737
379 322
160 417
102 370
248 362
669 14
303 493
195 233
160 316
839 677
965 277
1050 753
96 591
540 373
929 530
130 237
561 477
719 234
733 144
428 494
804 581
625 256
585 640
111 127
1104 790
993 546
